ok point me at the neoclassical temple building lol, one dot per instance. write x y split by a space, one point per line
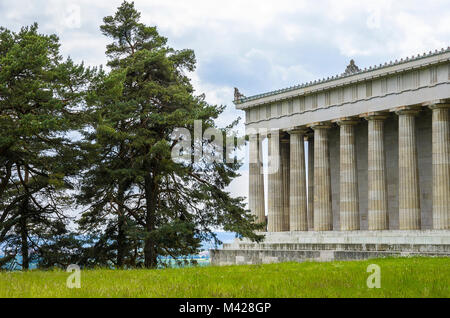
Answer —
359 164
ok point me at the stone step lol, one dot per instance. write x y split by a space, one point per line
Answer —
428 248
265 256
423 237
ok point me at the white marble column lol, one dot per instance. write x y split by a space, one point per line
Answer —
378 217
310 182
441 166
323 215
349 198
285 171
298 220
275 183
408 171
256 179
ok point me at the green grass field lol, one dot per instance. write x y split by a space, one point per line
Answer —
400 277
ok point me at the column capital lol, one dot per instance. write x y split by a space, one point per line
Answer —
297 130
271 132
406 110
346 121
438 103
309 135
375 116
320 125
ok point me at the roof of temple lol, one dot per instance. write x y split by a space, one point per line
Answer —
352 69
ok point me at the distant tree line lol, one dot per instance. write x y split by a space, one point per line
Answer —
86 175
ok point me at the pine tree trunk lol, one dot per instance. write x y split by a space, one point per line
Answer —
120 241
24 235
149 247
120 228
24 229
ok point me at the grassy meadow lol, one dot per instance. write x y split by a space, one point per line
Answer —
400 277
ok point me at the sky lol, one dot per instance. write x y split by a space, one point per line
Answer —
257 46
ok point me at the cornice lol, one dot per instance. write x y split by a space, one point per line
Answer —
344 79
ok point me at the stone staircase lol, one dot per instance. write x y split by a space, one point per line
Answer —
328 246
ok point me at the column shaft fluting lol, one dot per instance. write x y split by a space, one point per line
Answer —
441 166
408 172
378 217
349 201
310 182
298 220
275 189
285 170
323 216
256 179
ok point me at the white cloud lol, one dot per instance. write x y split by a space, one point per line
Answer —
420 35
239 186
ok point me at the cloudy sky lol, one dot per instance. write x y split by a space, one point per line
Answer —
257 46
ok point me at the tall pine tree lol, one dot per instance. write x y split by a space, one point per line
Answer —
171 207
40 102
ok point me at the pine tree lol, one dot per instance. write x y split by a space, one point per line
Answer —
40 102
107 180
137 106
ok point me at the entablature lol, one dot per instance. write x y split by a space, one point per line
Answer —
407 78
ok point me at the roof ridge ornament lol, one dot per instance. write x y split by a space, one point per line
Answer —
237 94
351 68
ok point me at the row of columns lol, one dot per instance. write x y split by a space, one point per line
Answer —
295 207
